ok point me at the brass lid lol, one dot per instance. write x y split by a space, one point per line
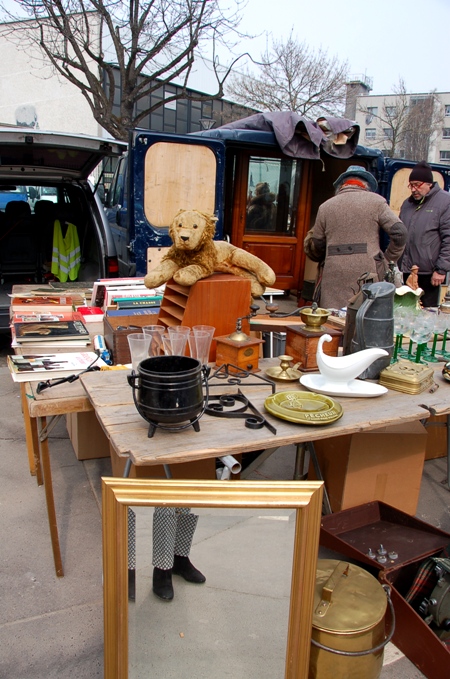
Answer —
347 598
406 376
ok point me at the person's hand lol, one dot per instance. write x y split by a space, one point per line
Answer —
437 278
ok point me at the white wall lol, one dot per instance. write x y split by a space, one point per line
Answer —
27 83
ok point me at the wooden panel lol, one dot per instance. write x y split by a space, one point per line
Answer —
178 177
279 256
218 300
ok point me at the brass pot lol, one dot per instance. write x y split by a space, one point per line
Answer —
349 615
313 318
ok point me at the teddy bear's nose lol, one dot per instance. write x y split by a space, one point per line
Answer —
185 238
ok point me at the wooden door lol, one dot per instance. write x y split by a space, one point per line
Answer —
271 205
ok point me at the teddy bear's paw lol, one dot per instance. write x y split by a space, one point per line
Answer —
257 289
186 277
153 279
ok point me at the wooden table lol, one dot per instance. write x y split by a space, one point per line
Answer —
112 399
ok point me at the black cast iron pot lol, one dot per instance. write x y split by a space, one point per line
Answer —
167 390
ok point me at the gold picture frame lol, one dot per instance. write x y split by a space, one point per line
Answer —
119 494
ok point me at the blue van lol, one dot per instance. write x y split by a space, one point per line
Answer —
221 171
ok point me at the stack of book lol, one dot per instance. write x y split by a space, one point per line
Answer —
44 330
126 297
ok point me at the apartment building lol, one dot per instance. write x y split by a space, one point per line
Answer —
414 126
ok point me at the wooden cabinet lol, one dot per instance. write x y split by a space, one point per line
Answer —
218 300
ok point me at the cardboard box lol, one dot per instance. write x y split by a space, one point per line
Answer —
88 439
353 531
436 427
385 464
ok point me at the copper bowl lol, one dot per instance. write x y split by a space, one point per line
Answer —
314 318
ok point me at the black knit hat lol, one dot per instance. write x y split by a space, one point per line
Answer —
421 173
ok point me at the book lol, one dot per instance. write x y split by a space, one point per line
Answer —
114 294
42 303
91 314
135 311
50 330
33 367
43 346
48 316
133 302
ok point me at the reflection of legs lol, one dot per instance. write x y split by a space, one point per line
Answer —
131 554
173 531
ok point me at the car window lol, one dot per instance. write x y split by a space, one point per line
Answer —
10 193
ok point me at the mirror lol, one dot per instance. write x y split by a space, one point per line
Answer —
303 500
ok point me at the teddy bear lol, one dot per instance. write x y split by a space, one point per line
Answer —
195 255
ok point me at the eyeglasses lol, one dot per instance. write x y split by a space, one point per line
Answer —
415 185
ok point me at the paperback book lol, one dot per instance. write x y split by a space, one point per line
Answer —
45 317
135 311
43 303
133 302
50 330
33 367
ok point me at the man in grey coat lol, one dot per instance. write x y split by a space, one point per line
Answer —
346 236
426 215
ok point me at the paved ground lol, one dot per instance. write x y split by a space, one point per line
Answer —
232 627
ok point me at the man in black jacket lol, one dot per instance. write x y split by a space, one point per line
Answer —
426 215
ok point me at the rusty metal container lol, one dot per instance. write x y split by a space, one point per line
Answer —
348 618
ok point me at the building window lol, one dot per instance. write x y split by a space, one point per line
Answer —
388 132
371 112
446 133
447 109
444 155
391 111
370 133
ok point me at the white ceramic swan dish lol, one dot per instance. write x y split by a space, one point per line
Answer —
338 373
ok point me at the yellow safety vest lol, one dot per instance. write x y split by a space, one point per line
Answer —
66 256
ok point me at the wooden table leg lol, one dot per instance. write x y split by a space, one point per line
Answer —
49 498
28 430
36 450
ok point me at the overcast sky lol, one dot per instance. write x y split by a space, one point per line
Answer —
382 39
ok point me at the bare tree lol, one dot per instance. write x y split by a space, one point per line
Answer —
425 118
124 48
404 125
292 77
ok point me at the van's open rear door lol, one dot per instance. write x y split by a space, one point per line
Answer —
396 177
168 173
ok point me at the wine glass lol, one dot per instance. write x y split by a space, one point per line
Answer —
420 333
404 319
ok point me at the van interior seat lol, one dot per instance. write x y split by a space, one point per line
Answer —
19 252
44 218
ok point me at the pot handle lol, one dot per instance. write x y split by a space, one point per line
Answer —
360 317
132 377
368 651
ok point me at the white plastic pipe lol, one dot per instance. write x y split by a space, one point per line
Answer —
231 463
225 474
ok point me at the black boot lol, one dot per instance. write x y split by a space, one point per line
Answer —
131 584
182 566
162 583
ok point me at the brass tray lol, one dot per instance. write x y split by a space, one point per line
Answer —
407 377
303 407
